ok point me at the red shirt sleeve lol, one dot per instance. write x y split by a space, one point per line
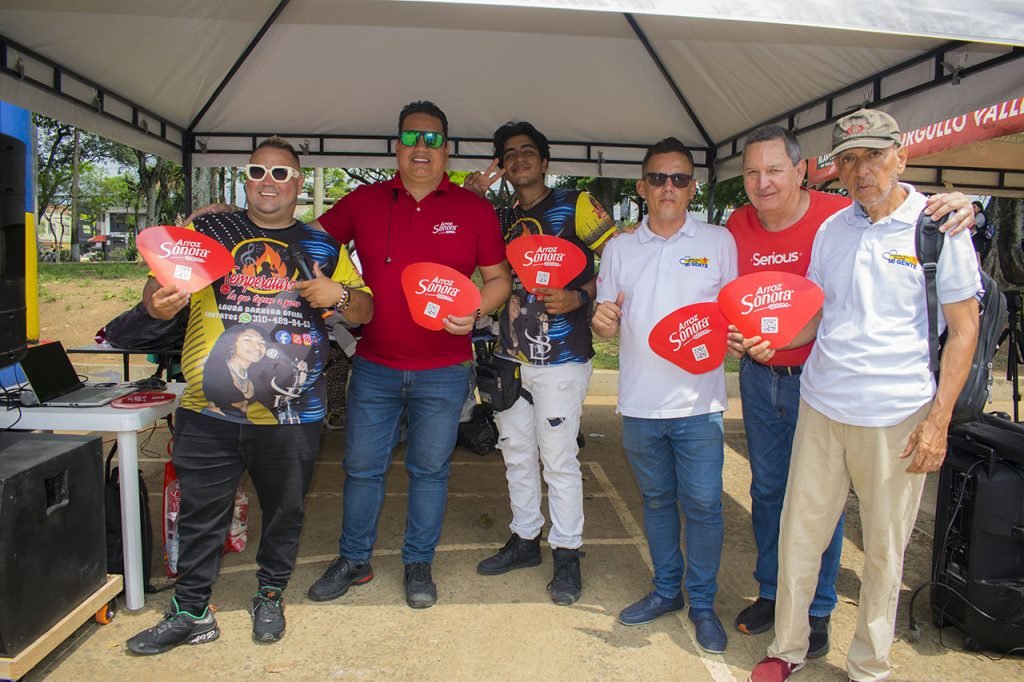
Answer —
338 221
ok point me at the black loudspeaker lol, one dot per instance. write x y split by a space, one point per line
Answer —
52 538
978 559
12 250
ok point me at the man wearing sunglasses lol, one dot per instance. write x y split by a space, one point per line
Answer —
550 337
775 232
672 420
400 367
255 349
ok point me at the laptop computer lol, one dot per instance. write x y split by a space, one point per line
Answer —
55 382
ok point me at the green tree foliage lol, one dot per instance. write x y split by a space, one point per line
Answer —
55 150
729 194
159 185
150 185
608 191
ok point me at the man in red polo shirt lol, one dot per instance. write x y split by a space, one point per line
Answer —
400 367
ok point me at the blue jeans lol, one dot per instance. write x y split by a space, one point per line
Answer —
678 463
770 406
378 396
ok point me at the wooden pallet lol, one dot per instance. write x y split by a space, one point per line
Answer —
16 667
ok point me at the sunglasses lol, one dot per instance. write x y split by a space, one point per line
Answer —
432 139
256 172
680 180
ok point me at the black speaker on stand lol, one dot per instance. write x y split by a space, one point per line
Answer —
12 250
978 559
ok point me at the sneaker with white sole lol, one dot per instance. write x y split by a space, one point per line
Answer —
176 627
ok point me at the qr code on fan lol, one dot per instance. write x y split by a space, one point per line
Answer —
769 325
432 309
182 272
543 277
700 352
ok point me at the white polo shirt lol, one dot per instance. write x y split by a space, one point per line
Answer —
658 276
869 365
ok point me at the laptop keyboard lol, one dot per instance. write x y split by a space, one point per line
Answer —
88 393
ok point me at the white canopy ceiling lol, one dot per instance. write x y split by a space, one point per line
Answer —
603 79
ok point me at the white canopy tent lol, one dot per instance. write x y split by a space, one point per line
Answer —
202 81
977 152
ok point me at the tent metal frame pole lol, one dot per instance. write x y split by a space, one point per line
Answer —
140 116
939 78
186 169
316 145
652 53
712 183
238 63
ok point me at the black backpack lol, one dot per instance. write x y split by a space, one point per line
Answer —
977 389
135 330
479 434
112 505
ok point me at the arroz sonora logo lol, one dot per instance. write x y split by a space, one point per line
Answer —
689 330
544 255
768 297
438 287
186 249
445 228
695 262
895 258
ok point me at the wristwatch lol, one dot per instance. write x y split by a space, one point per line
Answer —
584 297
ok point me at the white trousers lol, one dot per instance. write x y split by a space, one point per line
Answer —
827 457
544 433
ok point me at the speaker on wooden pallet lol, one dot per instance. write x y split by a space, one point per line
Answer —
52 537
978 559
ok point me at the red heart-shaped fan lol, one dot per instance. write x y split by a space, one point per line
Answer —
692 337
435 291
183 258
770 304
542 260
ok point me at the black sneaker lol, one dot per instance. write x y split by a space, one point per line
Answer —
757 618
267 615
338 577
517 553
818 641
177 627
567 585
420 590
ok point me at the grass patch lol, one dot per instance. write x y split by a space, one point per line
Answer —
46 296
606 353
69 272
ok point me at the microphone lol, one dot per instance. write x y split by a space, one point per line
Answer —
342 336
298 258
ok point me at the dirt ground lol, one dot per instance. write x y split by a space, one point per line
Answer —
502 627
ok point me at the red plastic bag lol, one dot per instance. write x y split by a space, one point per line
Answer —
171 506
238 534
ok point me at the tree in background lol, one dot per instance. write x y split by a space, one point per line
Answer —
151 186
55 151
